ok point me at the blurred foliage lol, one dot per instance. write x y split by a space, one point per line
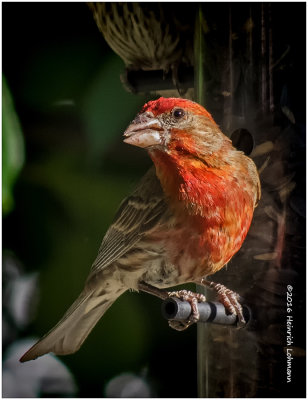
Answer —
47 377
12 148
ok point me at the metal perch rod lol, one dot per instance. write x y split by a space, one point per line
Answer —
211 312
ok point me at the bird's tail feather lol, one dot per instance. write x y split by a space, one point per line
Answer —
72 330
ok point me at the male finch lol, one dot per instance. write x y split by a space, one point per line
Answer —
185 220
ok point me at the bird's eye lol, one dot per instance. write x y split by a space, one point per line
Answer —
178 113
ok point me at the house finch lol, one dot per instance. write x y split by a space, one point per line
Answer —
139 33
148 37
187 217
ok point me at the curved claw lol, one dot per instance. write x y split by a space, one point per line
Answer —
179 325
229 299
193 299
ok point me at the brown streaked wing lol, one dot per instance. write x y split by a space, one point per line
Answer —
137 214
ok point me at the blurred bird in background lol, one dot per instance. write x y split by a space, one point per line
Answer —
148 37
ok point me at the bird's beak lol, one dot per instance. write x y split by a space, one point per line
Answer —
144 131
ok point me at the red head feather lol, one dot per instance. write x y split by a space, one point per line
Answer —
163 105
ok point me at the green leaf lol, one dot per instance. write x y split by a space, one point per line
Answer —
13 152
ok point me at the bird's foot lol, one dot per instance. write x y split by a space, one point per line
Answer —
229 299
193 299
